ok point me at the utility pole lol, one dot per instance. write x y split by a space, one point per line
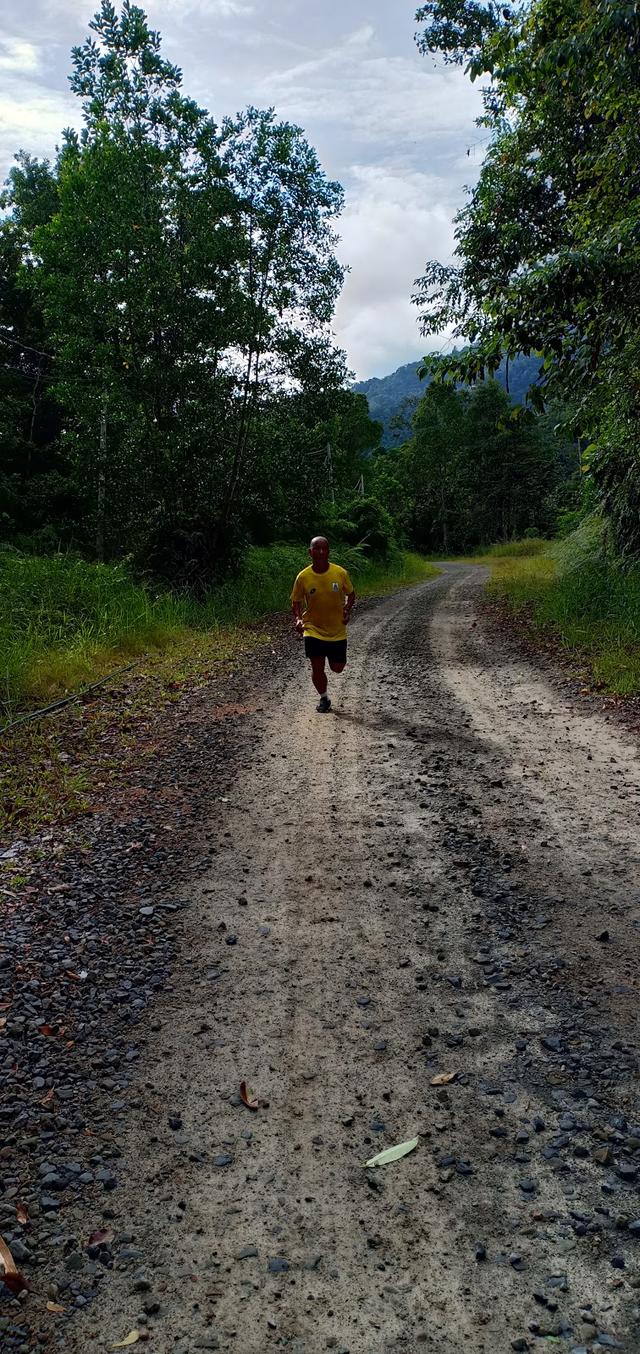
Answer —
102 481
329 465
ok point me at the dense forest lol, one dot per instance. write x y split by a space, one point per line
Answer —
548 242
170 388
169 384
392 399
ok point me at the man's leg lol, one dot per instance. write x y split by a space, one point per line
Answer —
337 667
318 675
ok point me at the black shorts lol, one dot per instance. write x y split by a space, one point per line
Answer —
333 649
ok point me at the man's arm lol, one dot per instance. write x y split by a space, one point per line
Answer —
296 607
348 606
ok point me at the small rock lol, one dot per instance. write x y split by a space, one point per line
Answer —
603 1156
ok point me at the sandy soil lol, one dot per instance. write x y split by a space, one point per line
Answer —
411 885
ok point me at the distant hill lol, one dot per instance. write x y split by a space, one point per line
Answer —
387 394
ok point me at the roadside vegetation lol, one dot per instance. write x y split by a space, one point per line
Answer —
65 623
175 418
578 592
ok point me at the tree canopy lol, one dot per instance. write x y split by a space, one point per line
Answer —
548 243
176 279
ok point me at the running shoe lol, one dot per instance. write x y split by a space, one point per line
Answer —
324 705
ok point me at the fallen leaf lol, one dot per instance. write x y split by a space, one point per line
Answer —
3 1021
130 1339
46 1029
46 1099
55 1307
22 1214
443 1078
9 1274
393 1153
248 1098
100 1238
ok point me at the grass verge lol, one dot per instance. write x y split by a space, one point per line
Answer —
65 624
582 597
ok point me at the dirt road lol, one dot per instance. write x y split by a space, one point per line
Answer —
442 876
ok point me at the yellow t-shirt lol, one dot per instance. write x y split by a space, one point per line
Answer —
324 597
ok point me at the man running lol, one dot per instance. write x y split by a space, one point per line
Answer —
322 600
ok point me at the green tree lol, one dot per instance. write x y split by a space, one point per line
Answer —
548 245
512 468
187 278
287 274
34 476
436 463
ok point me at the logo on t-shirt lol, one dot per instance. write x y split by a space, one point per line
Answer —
335 587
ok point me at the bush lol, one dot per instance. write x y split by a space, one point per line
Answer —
530 546
589 599
365 522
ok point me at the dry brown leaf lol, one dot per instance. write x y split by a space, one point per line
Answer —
46 1029
443 1078
248 1098
130 1339
22 1214
3 1021
100 1238
55 1307
46 1099
11 1276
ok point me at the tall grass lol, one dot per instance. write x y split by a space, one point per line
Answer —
584 596
524 549
64 622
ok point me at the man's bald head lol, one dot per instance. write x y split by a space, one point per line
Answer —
319 552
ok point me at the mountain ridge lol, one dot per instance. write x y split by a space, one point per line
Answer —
387 394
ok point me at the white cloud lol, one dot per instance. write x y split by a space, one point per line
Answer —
379 98
348 72
33 121
221 9
394 222
17 55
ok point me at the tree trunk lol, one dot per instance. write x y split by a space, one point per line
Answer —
102 482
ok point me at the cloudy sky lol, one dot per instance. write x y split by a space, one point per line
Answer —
392 126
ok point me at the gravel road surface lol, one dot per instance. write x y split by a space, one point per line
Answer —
442 876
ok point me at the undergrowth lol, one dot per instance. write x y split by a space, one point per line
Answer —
582 594
65 623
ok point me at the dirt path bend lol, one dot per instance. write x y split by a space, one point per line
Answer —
413 885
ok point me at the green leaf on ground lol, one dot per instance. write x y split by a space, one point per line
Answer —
393 1153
